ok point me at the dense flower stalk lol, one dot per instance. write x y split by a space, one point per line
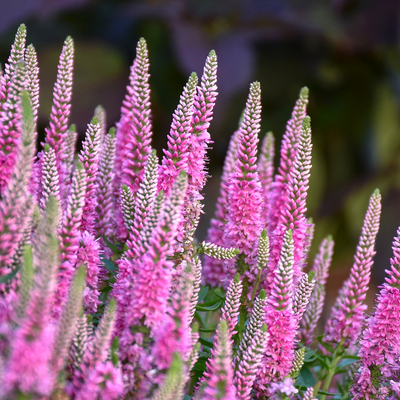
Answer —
288 153
379 350
15 199
136 121
309 394
50 181
10 124
250 364
218 379
197 269
89 157
101 115
32 78
61 108
280 320
176 156
298 362
69 236
105 176
230 310
214 270
322 262
265 167
69 150
244 192
28 366
218 252
345 322
302 294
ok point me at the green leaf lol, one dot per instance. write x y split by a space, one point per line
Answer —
109 266
8 277
203 293
306 378
186 397
310 356
221 294
323 361
326 345
327 393
212 307
112 246
207 330
206 342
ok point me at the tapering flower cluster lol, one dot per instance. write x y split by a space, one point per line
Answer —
230 311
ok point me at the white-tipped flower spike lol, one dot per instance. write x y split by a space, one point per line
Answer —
290 140
218 252
347 316
69 150
171 384
263 250
197 268
50 181
27 368
101 115
309 321
66 327
61 109
128 207
309 394
10 125
302 294
176 156
265 167
105 176
297 362
26 283
89 157
16 54
250 363
79 346
254 325
32 77
230 310
15 198
217 381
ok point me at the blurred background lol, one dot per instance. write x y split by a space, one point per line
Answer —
345 51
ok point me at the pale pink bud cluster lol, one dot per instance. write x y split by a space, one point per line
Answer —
230 310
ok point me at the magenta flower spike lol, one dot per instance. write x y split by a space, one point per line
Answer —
27 367
152 283
244 192
217 382
89 256
250 363
293 215
69 237
89 157
15 199
279 317
50 181
135 122
309 321
105 177
309 394
204 102
32 79
214 271
265 167
176 156
230 310
10 124
347 315
60 110
174 334
3 89
379 350
278 193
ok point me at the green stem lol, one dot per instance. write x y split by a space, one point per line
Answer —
255 287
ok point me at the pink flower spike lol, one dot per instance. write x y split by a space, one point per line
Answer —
89 157
347 315
60 111
214 271
309 321
281 322
218 378
32 78
10 124
69 237
302 294
309 394
50 182
176 156
14 200
16 54
136 121
244 193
